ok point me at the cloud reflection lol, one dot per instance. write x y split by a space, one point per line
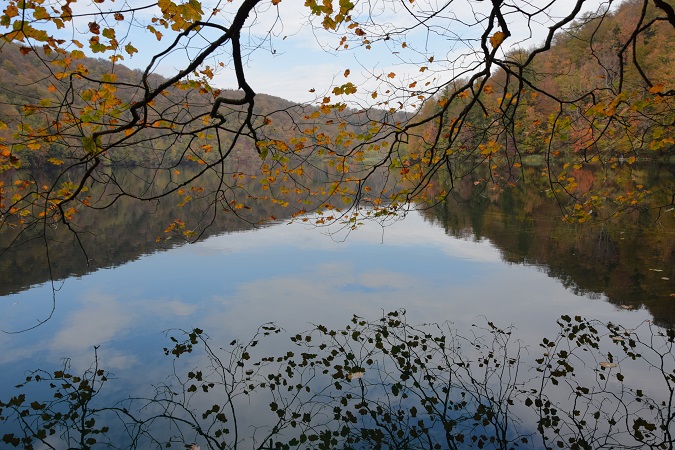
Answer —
413 231
100 319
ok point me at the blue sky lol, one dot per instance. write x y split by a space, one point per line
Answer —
288 53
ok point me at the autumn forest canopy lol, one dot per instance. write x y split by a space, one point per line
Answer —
488 87
132 126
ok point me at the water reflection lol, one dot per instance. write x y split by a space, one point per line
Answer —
502 256
375 383
292 275
629 260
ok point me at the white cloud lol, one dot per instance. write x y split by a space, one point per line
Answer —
408 232
167 309
100 319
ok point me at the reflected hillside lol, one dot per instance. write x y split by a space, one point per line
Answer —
107 238
630 258
129 229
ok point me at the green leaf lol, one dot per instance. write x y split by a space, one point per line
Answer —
89 144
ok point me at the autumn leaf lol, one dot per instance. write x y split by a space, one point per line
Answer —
94 28
656 89
497 39
130 49
108 33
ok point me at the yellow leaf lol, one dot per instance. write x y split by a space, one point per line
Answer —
656 89
497 39
130 49
391 75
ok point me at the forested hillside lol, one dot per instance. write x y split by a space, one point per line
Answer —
29 102
596 80
599 89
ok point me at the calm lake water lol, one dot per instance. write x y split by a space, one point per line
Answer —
513 263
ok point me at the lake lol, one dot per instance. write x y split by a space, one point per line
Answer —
505 258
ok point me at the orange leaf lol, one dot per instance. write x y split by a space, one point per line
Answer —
497 39
656 89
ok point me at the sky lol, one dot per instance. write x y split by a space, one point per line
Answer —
289 54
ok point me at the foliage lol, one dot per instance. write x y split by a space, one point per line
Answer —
487 104
598 96
597 259
378 384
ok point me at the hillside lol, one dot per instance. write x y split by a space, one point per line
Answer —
601 91
30 95
33 100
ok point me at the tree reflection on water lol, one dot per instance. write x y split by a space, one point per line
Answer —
380 383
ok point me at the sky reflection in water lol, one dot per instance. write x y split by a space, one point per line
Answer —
288 274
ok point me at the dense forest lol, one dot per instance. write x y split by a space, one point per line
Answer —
590 99
590 56
29 108
29 102
584 87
